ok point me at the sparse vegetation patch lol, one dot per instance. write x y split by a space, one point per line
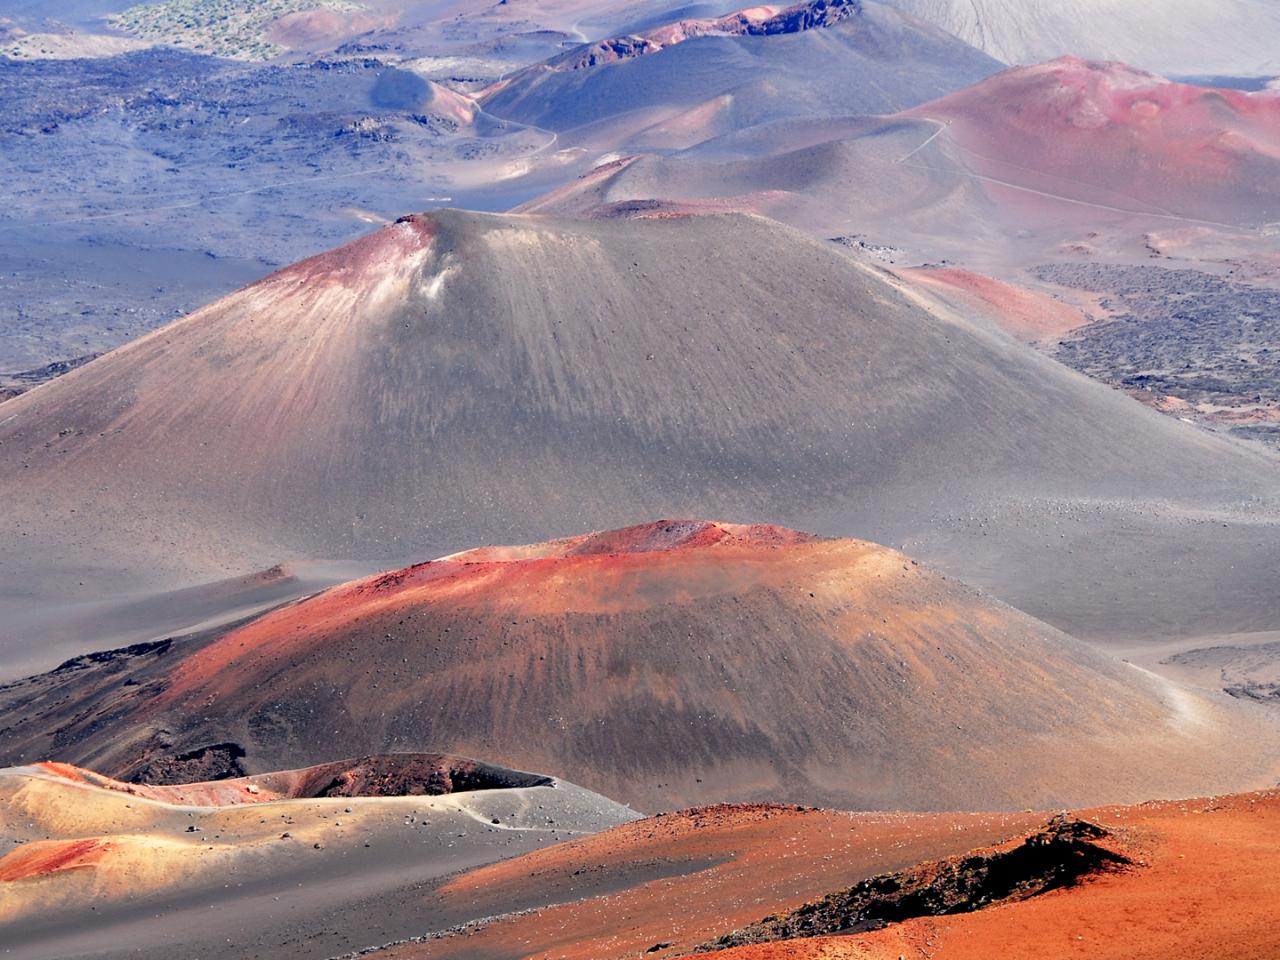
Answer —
223 28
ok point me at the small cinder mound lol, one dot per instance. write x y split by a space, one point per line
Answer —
1060 855
77 846
404 775
175 780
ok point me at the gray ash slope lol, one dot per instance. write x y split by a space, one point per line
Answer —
462 379
869 60
828 176
372 879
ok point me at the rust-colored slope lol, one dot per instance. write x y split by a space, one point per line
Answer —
1026 314
669 663
1062 853
680 879
1206 887
1202 883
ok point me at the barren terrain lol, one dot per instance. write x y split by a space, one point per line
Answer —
1192 343
455 390
254 865
369 370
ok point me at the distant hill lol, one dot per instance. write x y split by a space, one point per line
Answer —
690 80
1019 164
1177 37
1113 136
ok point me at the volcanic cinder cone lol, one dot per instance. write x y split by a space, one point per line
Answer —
665 664
462 378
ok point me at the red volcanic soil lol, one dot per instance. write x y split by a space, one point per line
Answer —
360 263
1106 135
1027 314
661 664
1208 886
683 878
1204 882
324 29
40 860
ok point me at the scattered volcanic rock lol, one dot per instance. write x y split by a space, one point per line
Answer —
752 22
1061 854
381 775
1203 880
216 761
12 384
1182 340
1202 887
669 663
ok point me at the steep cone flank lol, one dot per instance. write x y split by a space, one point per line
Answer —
461 378
661 665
